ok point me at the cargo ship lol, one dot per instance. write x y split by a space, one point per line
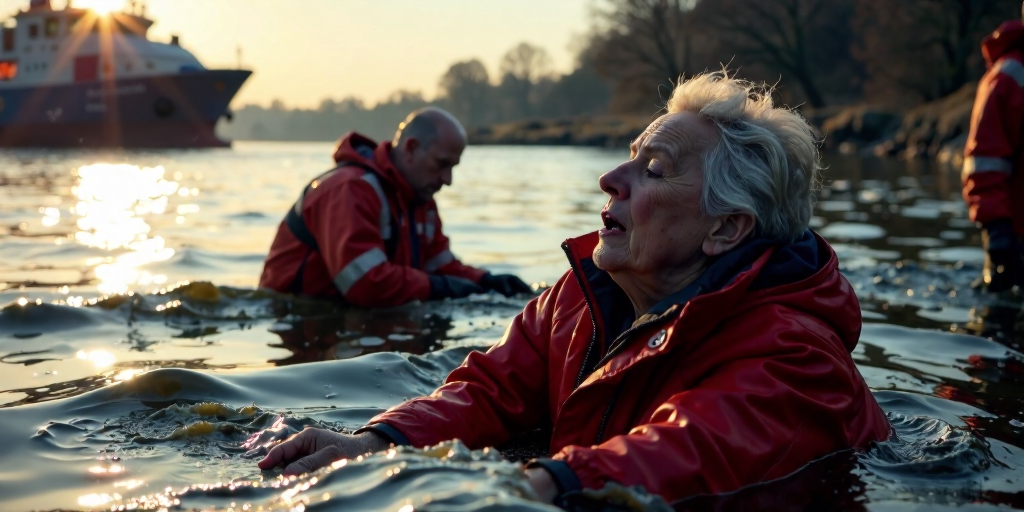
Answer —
75 77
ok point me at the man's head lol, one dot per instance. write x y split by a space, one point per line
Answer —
427 145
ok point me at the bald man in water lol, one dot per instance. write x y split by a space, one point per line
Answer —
368 232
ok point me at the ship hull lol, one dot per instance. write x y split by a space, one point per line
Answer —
171 111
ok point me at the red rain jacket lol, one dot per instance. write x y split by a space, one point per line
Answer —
736 387
351 212
993 173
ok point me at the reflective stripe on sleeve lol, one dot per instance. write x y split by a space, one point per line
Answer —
385 210
973 164
358 268
443 258
1013 69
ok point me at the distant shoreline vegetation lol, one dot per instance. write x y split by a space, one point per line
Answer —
894 85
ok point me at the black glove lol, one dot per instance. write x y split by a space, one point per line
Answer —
1005 268
443 287
505 284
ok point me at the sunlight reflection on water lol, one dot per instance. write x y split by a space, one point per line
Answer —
114 202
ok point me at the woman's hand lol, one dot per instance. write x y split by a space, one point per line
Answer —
314 448
542 484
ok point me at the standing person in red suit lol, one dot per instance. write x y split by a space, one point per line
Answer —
993 173
368 231
700 341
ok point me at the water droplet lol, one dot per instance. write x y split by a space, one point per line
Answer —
1015 423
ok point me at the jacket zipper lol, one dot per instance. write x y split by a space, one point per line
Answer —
616 346
590 309
621 341
608 412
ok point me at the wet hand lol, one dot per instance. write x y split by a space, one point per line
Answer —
314 448
542 484
505 284
444 287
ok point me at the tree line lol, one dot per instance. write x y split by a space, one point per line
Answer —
818 53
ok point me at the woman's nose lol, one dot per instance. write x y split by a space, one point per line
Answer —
614 182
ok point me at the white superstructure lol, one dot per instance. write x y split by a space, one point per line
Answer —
43 46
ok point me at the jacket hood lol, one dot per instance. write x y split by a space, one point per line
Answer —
802 275
1007 38
358 148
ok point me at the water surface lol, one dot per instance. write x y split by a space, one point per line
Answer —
136 357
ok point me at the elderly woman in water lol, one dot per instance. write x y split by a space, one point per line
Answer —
700 342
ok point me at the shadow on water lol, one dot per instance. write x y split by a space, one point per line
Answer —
138 364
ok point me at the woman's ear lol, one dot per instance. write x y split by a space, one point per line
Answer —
727 232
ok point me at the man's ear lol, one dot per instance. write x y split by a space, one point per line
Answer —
410 146
727 232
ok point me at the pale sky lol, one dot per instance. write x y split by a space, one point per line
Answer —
302 51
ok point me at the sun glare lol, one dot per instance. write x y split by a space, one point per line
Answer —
100 6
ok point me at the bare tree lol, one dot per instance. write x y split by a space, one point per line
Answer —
526 63
522 67
639 45
776 31
925 49
466 90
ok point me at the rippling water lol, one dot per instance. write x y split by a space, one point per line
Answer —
136 359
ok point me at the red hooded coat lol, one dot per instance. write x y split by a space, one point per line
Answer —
351 212
994 157
707 392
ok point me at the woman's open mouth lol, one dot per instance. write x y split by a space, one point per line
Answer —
610 223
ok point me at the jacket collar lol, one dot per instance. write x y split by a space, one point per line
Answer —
759 264
355 147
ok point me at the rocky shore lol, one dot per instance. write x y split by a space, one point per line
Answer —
596 131
935 130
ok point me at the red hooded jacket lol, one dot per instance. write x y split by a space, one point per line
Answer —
993 173
742 377
358 218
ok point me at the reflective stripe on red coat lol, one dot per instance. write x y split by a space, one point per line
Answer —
736 387
344 213
994 156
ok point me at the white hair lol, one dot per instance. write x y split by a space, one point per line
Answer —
766 158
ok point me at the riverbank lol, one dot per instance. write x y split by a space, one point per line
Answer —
589 131
934 130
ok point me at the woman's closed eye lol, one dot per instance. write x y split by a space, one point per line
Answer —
655 170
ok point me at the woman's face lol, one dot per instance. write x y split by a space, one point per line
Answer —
653 221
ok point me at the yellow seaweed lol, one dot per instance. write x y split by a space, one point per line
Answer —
202 428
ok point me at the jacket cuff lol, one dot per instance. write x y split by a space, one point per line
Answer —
565 478
388 432
1000 223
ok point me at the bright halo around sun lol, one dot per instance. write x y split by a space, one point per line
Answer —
100 6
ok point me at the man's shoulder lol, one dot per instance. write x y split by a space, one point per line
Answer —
345 183
343 177
1009 66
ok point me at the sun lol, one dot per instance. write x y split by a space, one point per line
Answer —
100 6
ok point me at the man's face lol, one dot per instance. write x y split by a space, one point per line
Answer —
430 167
